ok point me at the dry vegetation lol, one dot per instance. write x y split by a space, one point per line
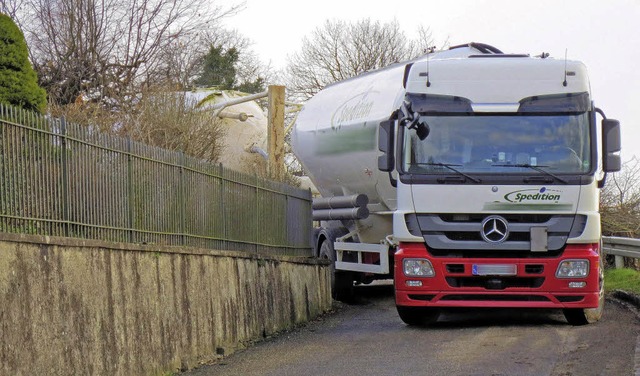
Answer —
160 118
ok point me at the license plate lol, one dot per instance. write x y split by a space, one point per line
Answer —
494 269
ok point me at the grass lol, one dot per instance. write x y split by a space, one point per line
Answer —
622 279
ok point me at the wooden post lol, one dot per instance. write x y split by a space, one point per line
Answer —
275 140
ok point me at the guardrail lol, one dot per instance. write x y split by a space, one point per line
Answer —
620 248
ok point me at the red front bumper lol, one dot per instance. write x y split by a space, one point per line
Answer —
535 284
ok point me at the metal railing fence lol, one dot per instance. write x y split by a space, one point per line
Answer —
63 179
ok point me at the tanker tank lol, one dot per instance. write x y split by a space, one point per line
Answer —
335 138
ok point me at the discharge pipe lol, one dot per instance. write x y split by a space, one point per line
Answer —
340 207
220 106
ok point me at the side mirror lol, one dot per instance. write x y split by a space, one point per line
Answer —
386 137
611 145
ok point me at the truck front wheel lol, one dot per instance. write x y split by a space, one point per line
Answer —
578 316
418 316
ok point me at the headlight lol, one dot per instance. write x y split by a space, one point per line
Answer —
573 269
418 268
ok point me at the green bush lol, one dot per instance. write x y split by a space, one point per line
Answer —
18 80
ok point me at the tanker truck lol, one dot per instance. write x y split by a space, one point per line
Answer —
470 176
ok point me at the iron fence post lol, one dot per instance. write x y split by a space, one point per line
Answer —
65 175
257 213
225 235
130 201
182 200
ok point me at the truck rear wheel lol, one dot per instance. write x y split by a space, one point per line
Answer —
418 316
341 281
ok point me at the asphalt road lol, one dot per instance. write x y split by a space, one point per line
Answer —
369 339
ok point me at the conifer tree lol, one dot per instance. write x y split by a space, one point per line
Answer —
18 80
219 68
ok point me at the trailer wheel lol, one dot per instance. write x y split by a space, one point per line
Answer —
418 316
341 281
579 316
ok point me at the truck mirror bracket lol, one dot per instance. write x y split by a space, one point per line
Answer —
386 140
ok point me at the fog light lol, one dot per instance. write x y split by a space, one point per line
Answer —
577 285
414 283
573 269
417 268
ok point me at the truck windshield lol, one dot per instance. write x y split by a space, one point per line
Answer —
504 144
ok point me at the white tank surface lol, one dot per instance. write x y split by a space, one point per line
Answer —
245 141
335 134
335 138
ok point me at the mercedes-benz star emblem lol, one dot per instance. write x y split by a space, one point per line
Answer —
494 229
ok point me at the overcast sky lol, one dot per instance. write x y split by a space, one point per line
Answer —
604 34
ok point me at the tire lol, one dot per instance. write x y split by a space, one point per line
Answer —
580 316
341 281
418 316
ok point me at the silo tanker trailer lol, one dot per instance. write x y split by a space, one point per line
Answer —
469 176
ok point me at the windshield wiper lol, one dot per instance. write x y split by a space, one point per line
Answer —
450 167
537 168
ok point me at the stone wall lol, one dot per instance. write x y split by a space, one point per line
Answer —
74 307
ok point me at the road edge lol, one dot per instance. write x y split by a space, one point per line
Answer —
626 299
631 302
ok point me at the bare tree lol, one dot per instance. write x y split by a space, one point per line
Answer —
12 9
339 50
620 201
249 72
183 62
104 48
180 63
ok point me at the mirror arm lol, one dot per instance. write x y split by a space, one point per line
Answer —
392 180
386 161
602 181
